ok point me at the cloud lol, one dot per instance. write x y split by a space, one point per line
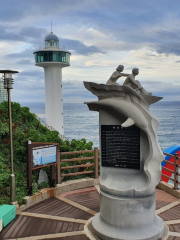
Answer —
79 47
33 32
10 35
29 80
166 90
25 62
35 73
100 34
164 35
74 91
169 48
28 52
31 35
116 27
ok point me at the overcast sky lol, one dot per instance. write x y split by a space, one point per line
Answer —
100 34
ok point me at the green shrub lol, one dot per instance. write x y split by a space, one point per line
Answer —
27 127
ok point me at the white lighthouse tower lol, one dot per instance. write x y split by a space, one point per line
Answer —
53 59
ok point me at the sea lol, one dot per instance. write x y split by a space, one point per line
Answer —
80 123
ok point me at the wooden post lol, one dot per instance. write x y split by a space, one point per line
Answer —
176 162
29 169
96 162
52 176
59 168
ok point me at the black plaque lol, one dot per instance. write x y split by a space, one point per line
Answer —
120 147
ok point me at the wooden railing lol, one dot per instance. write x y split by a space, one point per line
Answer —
94 159
174 170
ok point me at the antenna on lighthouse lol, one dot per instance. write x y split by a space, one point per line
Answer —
51 28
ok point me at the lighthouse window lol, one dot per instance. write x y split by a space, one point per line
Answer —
67 57
55 57
38 58
51 43
47 44
63 57
45 56
52 56
59 57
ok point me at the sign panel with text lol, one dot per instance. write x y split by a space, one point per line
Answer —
40 155
120 147
44 155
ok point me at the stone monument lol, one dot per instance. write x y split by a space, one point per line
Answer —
130 162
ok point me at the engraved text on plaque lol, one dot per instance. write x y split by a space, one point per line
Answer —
120 147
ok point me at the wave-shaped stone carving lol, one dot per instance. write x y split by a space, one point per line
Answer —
127 188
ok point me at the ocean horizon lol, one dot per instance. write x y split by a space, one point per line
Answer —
80 123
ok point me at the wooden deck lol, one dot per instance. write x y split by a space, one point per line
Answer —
63 217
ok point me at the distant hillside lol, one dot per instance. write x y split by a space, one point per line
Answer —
25 127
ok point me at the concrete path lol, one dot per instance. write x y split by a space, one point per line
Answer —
63 217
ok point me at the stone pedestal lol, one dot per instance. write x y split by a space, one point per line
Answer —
127 218
127 205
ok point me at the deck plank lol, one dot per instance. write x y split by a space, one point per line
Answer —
59 220
56 207
35 227
89 199
171 214
163 198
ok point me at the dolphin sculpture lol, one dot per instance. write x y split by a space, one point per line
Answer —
130 108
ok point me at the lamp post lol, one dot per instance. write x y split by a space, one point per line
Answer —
8 82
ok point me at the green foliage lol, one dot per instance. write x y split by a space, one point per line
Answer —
26 127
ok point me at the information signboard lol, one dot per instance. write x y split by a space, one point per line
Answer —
120 147
44 155
41 155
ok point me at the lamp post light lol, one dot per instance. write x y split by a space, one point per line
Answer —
8 82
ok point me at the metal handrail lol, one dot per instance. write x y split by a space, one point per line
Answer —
169 155
175 171
168 162
50 127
